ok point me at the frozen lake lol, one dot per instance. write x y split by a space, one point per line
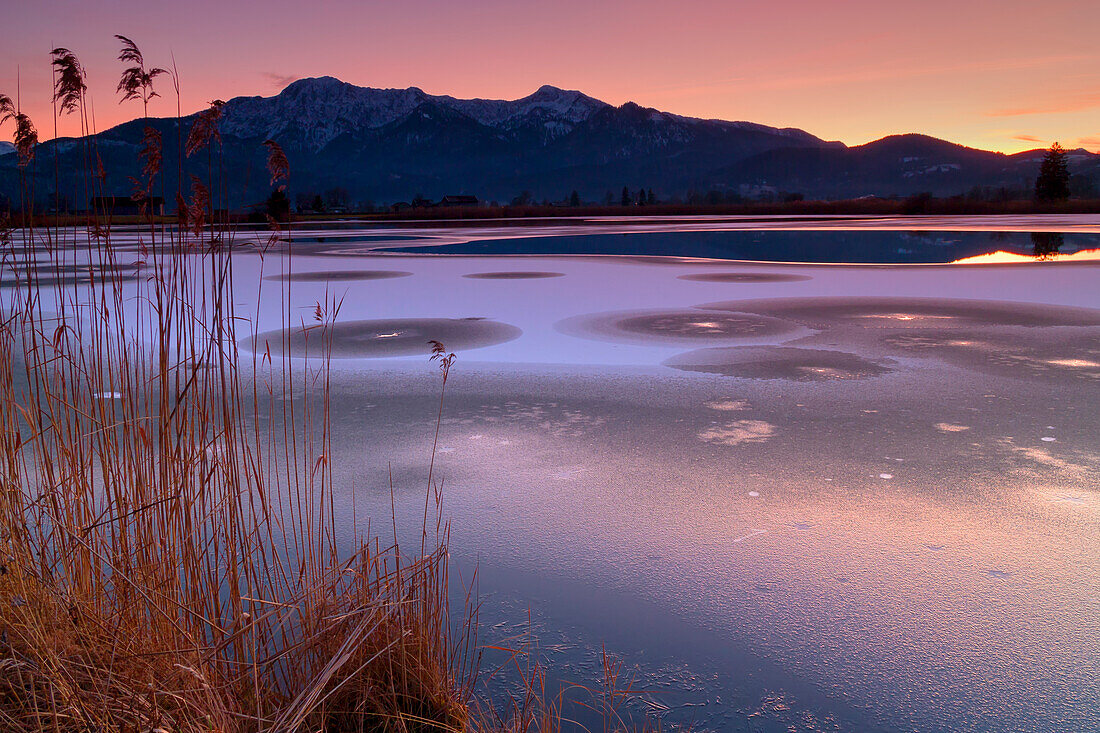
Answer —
789 495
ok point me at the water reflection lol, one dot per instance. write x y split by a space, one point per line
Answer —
1045 245
852 246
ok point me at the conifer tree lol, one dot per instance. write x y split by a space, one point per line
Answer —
1053 181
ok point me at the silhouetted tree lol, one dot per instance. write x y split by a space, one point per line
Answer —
609 198
318 204
1053 181
278 206
574 199
918 203
1045 245
58 202
626 200
524 199
650 198
337 198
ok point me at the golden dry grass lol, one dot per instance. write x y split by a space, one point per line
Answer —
169 553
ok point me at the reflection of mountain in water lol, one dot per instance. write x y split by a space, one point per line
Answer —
886 247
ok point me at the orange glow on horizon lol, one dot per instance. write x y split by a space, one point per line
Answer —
1001 257
1010 80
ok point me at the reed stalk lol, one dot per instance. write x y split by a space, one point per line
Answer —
170 560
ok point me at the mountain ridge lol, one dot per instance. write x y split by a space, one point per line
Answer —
391 144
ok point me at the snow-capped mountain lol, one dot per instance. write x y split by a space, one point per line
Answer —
6 148
317 111
386 145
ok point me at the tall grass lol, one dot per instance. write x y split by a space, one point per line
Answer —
169 551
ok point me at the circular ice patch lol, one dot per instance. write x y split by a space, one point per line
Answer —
1059 355
387 337
517 275
675 327
744 277
778 362
99 278
337 275
891 312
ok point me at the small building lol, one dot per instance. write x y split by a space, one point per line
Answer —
126 206
459 200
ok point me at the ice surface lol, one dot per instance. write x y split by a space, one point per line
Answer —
734 538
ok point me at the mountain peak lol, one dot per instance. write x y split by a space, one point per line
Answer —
314 111
392 143
313 84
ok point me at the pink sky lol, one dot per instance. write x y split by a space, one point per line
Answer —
1007 75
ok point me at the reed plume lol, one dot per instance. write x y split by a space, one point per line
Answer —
7 109
137 81
69 85
205 128
26 138
277 164
151 158
197 208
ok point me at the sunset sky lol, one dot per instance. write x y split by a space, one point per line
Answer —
1008 75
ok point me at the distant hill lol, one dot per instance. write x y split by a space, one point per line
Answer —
898 164
393 144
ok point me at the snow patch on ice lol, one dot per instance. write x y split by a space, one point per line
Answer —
738 432
729 405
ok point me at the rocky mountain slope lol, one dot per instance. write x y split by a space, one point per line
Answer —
386 145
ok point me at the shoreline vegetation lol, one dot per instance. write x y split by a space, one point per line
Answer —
170 560
912 206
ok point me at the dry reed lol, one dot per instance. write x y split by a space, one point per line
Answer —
169 550
169 553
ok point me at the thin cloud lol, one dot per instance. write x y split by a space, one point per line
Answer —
1088 143
866 74
280 81
1028 138
1075 103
